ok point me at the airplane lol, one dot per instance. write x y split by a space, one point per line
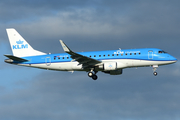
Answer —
110 62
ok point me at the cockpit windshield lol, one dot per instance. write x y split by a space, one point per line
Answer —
160 52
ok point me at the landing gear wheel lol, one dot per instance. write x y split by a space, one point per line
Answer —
90 74
155 73
94 77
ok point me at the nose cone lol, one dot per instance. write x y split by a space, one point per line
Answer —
173 59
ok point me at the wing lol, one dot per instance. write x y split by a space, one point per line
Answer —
85 61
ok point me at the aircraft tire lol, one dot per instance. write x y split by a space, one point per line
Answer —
94 77
90 74
155 73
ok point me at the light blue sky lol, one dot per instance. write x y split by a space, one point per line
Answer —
91 25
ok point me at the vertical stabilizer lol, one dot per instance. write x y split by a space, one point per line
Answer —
19 45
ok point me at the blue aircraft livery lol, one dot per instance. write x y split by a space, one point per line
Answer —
110 62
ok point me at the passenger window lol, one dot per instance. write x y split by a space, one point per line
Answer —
104 55
58 57
99 55
94 55
112 54
108 55
121 54
130 53
67 57
126 53
63 57
117 54
90 56
134 53
139 53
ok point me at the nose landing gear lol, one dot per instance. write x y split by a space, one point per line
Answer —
155 73
154 70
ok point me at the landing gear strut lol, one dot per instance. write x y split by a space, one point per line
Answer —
93 75
154 70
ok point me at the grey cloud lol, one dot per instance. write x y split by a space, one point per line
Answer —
19 10
140 23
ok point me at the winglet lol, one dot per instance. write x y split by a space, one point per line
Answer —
64 46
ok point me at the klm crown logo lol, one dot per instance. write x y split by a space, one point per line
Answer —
20 45
110 66
19 42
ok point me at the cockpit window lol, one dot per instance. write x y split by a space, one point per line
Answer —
160 52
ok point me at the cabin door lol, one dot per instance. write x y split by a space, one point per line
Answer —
150 54
48 61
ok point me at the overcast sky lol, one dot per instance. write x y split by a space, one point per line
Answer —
91 25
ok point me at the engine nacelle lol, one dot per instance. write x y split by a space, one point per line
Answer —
110 66
114 72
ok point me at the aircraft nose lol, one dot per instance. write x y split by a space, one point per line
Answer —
173 59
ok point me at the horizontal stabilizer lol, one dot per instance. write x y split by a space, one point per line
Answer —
16 58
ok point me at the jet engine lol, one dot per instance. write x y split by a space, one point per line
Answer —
112 68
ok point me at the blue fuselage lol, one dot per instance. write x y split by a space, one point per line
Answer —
149 54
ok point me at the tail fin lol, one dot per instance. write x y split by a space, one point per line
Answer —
19 46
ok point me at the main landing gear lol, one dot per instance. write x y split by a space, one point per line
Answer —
93 75
154 70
